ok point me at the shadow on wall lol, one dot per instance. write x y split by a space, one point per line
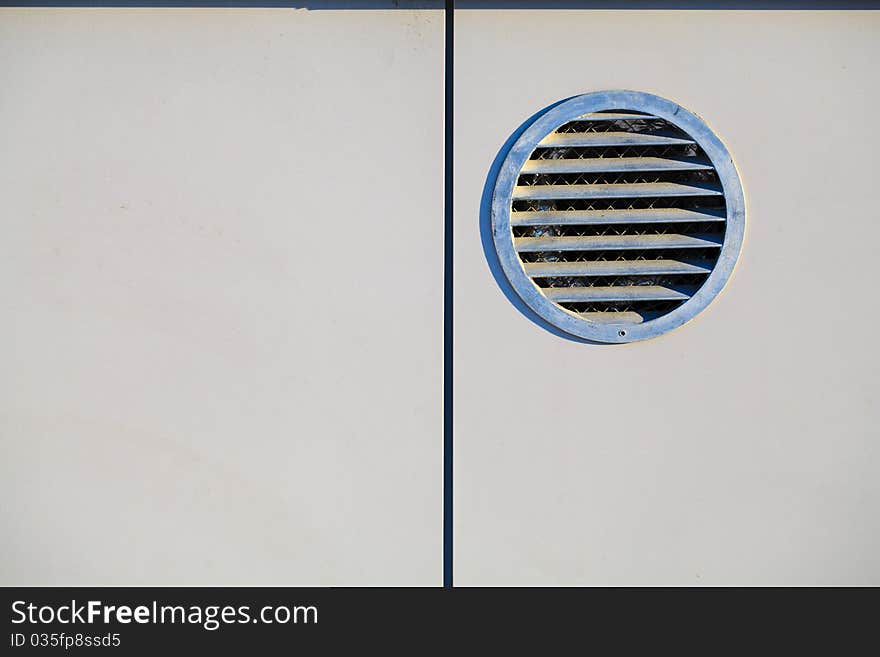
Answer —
489 244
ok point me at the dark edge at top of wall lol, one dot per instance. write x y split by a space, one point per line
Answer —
319 5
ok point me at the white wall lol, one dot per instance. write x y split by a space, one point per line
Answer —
221 288
222 241
743 447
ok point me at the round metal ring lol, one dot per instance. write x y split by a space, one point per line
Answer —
557 116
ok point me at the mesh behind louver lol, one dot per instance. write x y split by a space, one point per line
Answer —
618 217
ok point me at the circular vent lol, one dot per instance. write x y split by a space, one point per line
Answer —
618 216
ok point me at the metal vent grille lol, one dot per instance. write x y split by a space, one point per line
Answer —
620 215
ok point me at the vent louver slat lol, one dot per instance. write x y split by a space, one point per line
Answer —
616 242
616 268
616 165
615 116
611 217
594 139
618 293
612 213
646 190
630 317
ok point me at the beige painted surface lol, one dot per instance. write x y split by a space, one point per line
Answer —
743 447
207 378
219 281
